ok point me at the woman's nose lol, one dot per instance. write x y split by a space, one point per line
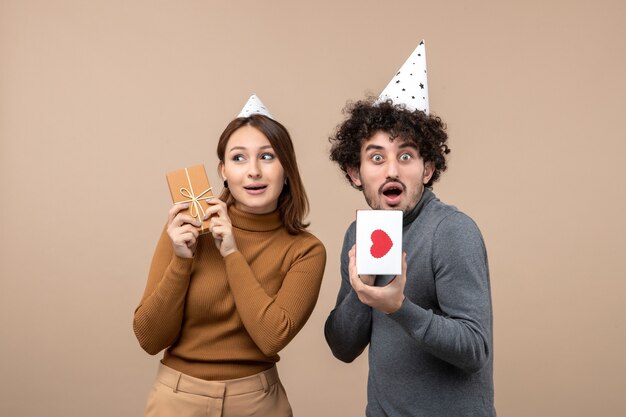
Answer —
253 169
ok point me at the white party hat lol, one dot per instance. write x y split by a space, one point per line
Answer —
410 84
254 105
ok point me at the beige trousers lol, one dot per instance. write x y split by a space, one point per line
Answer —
180 395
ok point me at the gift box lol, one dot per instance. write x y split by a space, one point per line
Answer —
379 242
191 186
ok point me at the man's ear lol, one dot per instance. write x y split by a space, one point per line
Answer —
429 170
353 173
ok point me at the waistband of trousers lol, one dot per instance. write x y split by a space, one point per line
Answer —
216 389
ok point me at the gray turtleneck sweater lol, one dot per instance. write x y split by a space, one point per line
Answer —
434 356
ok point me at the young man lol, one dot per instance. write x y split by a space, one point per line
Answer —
429 330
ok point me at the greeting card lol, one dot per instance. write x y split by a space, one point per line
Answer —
379 242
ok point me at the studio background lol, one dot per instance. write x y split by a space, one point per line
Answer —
99 99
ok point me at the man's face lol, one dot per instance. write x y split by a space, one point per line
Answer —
392 173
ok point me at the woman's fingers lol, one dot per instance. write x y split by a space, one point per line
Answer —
188 228
216 208
187 239
174 210
182 230
177 217
221 227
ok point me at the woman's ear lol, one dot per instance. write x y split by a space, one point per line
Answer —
354 175
220 170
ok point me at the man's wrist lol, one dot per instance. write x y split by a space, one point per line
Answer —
396 307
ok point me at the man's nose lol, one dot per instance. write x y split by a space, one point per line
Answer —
392 169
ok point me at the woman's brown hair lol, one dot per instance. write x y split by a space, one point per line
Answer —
293 203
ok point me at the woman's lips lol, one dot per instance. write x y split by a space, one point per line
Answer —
255 189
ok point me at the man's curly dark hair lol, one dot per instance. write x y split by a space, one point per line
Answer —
365 119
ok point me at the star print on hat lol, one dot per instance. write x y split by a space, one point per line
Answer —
410 84
254 105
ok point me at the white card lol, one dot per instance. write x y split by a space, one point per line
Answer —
379 242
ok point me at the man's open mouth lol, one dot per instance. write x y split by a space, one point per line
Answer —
392 190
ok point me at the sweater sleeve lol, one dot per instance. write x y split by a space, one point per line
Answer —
272 321
349 325
158 317
461 333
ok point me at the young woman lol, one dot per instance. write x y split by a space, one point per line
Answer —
223 304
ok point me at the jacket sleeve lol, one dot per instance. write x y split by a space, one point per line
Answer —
273 321
349 325
158 318
461 333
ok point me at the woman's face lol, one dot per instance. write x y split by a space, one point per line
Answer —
255 175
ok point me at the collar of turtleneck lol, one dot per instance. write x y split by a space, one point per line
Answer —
427 196
254 222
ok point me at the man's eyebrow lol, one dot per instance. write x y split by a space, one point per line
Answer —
372 146
402 146
408 144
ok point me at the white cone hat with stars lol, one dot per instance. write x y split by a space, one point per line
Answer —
410 84
254 105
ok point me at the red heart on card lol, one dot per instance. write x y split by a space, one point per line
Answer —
381 243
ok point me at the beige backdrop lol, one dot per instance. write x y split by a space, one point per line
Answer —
98 99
